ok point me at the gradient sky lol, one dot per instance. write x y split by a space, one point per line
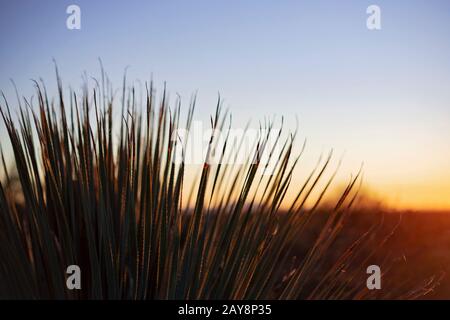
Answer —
382 96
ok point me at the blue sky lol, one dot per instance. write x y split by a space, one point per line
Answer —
382 96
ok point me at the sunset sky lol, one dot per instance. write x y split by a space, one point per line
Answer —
382 97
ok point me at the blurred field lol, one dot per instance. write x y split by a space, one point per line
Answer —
411 247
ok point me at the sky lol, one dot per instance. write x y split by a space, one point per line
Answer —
381 97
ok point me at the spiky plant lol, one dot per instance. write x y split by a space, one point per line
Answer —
83 191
